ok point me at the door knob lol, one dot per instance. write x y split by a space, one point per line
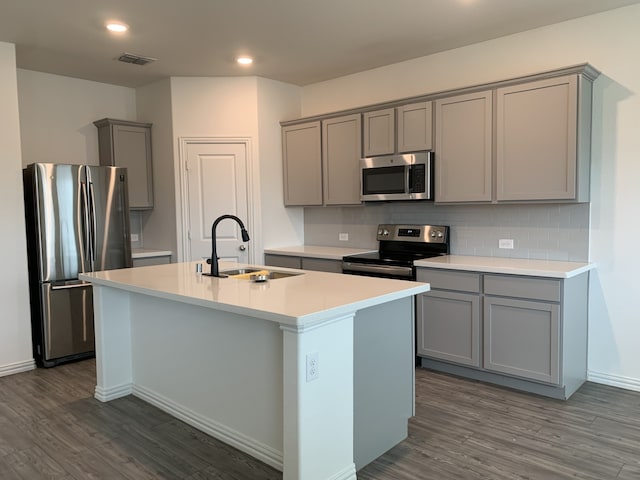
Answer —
242 248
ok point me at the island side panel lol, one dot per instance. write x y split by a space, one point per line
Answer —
384 376
218 371
318 414
112 322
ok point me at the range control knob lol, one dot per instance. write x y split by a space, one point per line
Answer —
385 232
440 235
433 235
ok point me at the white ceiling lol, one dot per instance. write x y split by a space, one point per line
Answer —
294 41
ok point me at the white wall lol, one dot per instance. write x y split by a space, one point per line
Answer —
15 325
57 115
229 107
276 102
609 41
154 106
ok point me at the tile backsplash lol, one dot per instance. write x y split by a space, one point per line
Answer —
545 231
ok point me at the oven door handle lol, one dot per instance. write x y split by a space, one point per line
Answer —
379 269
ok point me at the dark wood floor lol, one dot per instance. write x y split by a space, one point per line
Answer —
52 428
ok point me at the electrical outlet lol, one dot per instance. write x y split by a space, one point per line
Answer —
313 366
134 237
343 237
505 243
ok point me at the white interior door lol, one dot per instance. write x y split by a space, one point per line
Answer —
217 185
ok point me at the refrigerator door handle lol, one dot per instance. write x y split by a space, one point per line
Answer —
67 286
92 220
85 220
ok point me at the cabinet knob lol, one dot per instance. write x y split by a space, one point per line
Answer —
242 248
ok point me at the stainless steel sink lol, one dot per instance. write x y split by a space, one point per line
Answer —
254 274
277 274
241 271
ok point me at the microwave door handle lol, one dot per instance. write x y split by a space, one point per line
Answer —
407 179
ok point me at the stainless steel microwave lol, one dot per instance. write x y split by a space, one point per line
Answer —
406 176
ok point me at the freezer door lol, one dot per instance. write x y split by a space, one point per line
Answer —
109 217
67 319
59 206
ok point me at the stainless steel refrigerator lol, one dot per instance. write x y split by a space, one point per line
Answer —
77 220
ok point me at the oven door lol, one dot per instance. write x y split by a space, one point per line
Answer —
376 270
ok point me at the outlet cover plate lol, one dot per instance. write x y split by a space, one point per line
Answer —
505 243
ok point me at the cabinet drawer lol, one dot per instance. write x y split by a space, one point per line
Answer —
450 280
522 287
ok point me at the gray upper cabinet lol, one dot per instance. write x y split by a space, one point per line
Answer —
517 140
341 152
302 156
321 162
379 137
128 144
415 127
542 147
463 148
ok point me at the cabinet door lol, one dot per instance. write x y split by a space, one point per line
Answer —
536 140
341 152
379 132
449 327
415 127
463 148
522 338
132 149
302 164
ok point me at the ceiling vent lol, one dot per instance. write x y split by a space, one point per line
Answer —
136 59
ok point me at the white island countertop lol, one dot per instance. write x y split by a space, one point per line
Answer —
300 300
511 266
317 251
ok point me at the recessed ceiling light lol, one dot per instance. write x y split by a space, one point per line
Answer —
117 27
244 60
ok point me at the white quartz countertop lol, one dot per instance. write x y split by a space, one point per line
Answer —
513 266
317 251
300 300
149 253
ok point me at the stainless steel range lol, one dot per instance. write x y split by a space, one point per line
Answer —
399 247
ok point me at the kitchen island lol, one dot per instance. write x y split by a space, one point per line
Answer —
312 373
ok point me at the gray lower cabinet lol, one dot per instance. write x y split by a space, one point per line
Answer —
453 330
304 263
522 338
452 307
523 332
127 144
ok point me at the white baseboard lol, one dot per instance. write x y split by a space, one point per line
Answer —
256 449
348 473
111 393
17 367
627 383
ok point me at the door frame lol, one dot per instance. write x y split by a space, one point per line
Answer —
252 222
